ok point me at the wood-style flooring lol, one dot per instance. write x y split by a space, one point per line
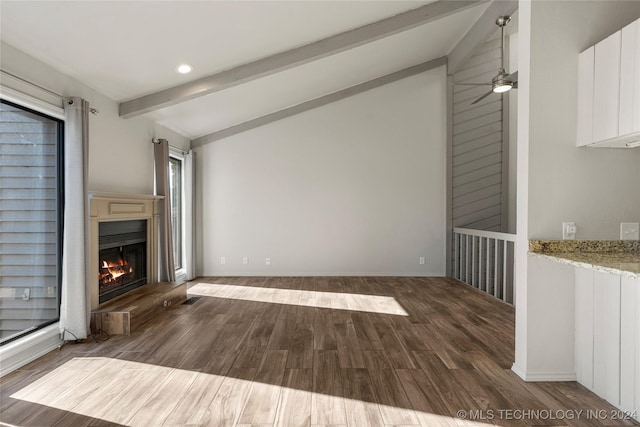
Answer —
303 352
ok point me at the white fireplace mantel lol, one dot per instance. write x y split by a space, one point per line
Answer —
104 207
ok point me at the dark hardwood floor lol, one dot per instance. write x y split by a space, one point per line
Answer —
303 352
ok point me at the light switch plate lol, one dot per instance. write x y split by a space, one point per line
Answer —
629 231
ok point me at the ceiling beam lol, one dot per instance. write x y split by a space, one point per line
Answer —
294 57
318 102
480 32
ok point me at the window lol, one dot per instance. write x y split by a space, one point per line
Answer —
181 201
177 209
30 220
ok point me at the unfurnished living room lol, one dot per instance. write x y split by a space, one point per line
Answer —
320 213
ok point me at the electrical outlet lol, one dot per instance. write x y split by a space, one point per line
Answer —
629 231
267 261
569 230
245 260
421 260
223 260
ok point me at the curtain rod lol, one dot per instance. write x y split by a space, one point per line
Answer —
161 140
93 111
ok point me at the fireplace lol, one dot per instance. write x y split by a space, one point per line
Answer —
122 257
123 245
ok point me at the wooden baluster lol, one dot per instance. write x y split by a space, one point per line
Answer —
466 260
496 269
505 280
456 254
487 260
473 262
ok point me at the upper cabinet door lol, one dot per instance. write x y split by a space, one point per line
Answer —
606 89
609 91
629 121
585 97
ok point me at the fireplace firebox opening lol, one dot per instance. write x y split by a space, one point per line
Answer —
122 257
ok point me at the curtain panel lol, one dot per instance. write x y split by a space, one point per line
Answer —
166 265
74 303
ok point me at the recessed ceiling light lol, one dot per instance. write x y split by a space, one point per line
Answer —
185 68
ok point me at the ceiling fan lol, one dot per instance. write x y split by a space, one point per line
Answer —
503 81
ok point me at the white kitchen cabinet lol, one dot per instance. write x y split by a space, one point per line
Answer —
607 336
606 88
636 335
585 96
629 120
584 327
609 90
629 344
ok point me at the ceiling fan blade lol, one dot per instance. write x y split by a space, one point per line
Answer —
472 84
482 97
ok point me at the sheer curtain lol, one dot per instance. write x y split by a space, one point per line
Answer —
165 251
74 303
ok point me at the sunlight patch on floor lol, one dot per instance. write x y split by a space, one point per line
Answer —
332 300
139 394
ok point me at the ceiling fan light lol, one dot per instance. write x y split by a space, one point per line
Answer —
502 87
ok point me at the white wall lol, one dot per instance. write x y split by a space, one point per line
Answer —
596 188
513 133
354 187
120 160
120 151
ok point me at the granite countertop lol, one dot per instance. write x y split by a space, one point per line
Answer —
613 256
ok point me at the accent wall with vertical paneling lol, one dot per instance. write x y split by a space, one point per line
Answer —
477 167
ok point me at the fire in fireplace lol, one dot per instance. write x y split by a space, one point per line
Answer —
122 257
115 271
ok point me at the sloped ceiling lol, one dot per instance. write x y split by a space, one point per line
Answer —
132 48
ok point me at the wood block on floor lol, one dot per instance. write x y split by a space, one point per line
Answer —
126 313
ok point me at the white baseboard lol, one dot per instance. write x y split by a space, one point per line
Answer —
543 376
18 353
315 274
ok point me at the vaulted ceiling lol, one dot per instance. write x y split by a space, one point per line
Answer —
249 58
